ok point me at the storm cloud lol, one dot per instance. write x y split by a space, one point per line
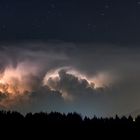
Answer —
92 79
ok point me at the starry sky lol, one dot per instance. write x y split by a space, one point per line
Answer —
106 21
70 55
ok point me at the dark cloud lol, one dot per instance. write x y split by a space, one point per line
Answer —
114 68
70 85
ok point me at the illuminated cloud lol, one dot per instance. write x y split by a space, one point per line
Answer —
68 81
69 77
19 79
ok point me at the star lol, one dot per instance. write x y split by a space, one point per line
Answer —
60 14
106 6
3 28
7 6
49 12
89 24
102 14
91 27
94 26
53 6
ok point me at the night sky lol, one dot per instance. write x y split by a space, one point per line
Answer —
70 55
106 21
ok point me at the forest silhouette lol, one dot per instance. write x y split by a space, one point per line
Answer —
67 126
56 119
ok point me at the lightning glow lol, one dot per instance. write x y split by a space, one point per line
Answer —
16 80
52 78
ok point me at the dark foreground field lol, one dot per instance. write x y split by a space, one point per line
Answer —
56 124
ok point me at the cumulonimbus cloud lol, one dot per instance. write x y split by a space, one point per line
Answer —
70 82
68 77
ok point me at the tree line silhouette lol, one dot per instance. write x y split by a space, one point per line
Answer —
58 125
69 120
